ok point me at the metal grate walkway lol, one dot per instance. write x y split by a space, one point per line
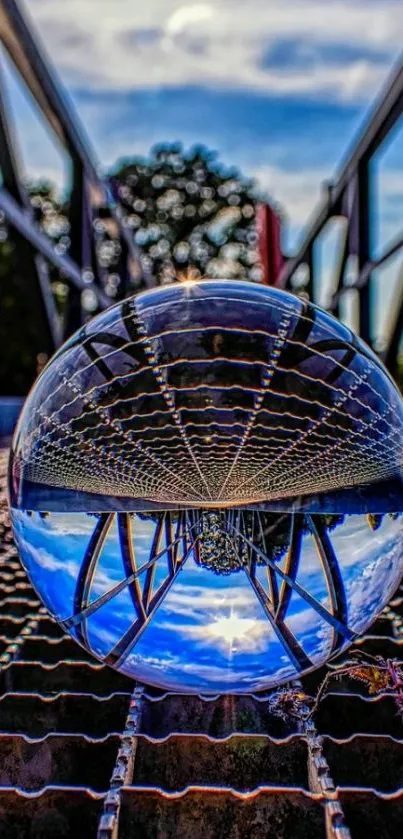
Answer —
82 754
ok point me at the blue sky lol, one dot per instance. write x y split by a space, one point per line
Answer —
278 87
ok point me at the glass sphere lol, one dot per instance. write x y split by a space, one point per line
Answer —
206 486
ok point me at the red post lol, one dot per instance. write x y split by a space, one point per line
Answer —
268 225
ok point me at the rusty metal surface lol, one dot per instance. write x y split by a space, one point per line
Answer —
84 752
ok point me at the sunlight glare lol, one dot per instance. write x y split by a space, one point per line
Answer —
231 628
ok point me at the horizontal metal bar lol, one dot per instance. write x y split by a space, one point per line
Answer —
20 220
370 266
393 248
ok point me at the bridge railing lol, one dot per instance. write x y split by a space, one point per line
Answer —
90 196
351 198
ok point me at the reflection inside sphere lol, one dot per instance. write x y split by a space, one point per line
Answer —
206 486
204 601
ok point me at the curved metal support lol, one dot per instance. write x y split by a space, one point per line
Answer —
88 569
291 567
333 576
178 546
331 619
288 640
96 604
125 645
129 561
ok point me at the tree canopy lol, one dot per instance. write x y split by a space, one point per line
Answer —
188 211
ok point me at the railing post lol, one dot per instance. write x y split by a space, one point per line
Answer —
268 225
364 247
310 264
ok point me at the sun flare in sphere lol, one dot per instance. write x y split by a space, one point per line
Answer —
231 629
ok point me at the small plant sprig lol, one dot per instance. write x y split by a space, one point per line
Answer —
380 675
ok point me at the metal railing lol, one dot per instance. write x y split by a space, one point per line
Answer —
350 197
90 196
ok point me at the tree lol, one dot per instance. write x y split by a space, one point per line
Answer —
189 212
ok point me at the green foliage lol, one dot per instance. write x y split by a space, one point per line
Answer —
223 553
188 211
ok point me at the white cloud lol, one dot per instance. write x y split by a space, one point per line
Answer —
298 192
41 558
173 673
191 13
121 45
249 635
204 602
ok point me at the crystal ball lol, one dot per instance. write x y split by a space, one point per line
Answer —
206 487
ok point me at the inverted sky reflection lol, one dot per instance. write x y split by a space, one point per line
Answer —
208 632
